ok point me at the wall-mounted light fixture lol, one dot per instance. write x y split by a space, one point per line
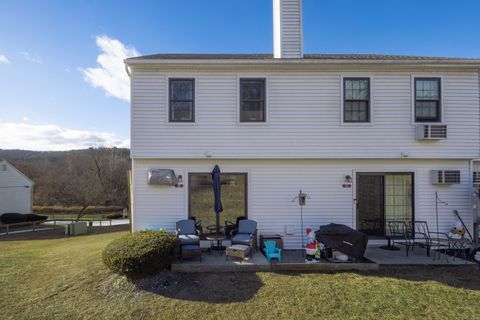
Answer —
348 181
179 181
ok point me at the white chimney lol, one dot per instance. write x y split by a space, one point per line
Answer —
287 29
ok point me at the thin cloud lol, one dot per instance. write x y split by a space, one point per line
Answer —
52 137
31 57
4 59
110 75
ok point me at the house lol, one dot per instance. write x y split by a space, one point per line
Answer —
16 190
368 137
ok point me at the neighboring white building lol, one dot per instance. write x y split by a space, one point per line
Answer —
16 190
367 137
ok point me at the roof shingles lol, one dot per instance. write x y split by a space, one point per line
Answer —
359 57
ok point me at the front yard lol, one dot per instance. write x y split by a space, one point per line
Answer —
65 278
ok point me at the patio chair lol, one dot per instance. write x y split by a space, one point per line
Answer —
230 226
427 239
187 232
400 233
245 234
198 224
271 251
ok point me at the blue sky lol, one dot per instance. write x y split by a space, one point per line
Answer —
48 101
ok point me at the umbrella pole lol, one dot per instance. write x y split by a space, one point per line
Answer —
218 222
301 220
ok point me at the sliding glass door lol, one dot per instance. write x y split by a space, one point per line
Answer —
382 197
201 200
398 197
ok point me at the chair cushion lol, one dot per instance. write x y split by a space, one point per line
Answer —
188 239
247 226
186 227
189 247
243 238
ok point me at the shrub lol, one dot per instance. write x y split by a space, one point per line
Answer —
143 252
114 215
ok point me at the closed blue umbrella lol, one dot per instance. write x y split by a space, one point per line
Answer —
217 194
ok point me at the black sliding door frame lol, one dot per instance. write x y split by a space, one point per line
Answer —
383 174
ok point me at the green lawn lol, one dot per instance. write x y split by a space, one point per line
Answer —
65 279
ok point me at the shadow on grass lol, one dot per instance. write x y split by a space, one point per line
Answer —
46 232
204 287
457 276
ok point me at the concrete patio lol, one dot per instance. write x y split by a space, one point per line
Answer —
375 257
416 257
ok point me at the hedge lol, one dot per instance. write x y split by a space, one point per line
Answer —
141 253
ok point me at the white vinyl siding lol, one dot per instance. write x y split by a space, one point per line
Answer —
15 197
272 184
304 118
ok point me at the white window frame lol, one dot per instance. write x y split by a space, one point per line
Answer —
412 98
342 100
267 98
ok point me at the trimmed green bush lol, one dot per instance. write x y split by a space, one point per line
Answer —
141 253
114 215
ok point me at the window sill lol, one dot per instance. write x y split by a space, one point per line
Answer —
253 123
429 122
180 124
357 124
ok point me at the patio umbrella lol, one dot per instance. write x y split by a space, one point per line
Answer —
217 194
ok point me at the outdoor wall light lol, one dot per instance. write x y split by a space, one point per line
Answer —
179 181
348 181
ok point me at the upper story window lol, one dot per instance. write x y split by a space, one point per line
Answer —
427 100
181 100
252 100
356 104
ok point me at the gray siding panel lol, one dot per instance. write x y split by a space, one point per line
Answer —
303 118
272 184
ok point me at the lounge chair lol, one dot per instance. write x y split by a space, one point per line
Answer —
271 250
187 232
245 234
423 237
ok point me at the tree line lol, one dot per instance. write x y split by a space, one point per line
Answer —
90 177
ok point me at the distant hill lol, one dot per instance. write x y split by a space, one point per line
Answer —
17 154
96 176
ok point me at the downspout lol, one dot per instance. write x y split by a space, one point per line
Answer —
130 172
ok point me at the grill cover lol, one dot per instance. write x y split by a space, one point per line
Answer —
344 239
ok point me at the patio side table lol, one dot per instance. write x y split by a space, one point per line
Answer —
216 242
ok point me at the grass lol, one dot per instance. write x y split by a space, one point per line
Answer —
64 278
